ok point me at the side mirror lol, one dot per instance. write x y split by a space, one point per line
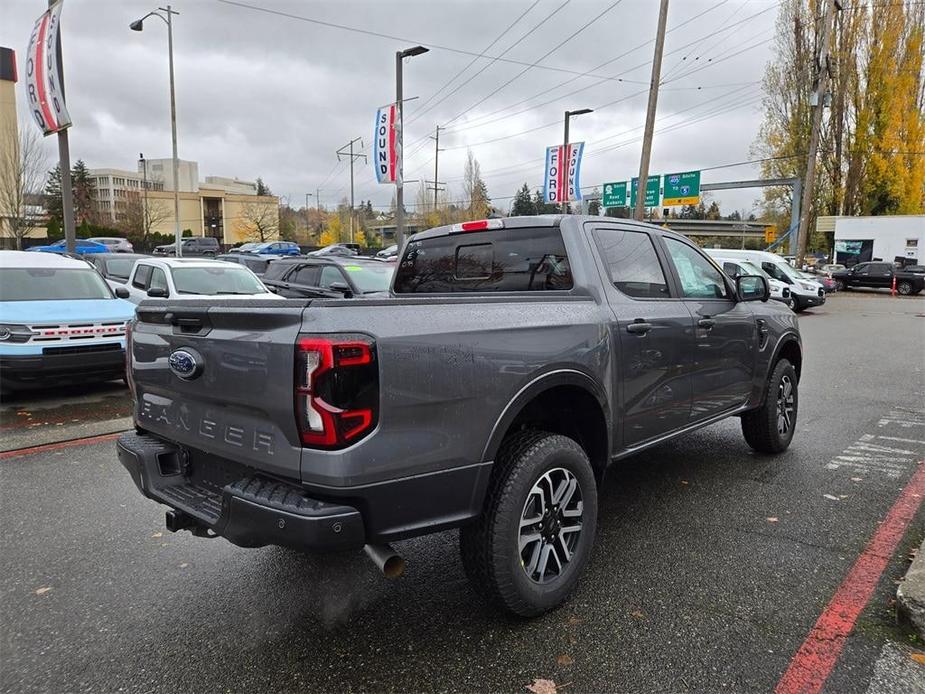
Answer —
157 293
122 293
343 288
752 288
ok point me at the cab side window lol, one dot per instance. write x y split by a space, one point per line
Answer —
699 277
732 269
142 277
632 263
330 275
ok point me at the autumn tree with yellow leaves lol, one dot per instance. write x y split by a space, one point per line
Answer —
872 146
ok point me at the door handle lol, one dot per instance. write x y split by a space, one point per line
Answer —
638 327
706 323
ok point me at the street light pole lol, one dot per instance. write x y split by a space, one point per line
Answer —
399 182
568 116
137 25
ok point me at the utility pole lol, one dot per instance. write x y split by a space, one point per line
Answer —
640 210
821 88
144 166
353 157
438 185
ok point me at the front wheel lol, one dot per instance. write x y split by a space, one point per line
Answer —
792 303
840 286
770 428
528 548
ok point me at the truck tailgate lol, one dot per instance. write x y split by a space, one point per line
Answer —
228 389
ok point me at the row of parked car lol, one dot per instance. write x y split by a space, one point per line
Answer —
64 318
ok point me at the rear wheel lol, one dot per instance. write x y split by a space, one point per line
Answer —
904 287
528 548
770 428
840 286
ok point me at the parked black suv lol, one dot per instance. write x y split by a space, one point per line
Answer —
329 276
257 264
205 246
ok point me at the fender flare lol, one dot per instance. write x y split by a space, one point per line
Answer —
536 386
785 339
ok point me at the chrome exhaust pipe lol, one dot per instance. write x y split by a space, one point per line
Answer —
387 559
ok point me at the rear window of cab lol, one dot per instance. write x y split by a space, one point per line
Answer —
498 260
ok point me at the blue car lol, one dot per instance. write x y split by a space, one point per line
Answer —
83 247
60 323
276 248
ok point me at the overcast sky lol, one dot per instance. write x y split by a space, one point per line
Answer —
260 93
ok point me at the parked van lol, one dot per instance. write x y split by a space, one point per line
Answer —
735 267
805 293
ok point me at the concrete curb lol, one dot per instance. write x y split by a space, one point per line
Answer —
41 436
910 596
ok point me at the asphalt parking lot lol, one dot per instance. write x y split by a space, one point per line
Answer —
711 568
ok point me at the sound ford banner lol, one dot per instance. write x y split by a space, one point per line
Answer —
563 171
43 75
386 154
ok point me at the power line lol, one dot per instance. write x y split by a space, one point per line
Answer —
392 37
494 60
537 62
479 121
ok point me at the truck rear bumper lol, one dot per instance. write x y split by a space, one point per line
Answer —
209 494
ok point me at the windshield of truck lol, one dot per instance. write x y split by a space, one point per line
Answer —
51 284
370 278
216 280
508 260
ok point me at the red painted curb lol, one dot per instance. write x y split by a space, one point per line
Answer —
56 446
813 663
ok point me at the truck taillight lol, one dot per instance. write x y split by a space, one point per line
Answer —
336 389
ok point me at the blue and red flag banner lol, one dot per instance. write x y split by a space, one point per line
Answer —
44 92
386 152
562 178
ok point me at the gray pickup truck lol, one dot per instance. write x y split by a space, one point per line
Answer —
514 361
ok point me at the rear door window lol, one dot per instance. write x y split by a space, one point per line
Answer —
632 263
499 260
306 275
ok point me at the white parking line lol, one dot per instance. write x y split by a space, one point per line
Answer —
892 458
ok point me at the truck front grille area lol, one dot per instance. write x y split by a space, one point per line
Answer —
75 332
83 349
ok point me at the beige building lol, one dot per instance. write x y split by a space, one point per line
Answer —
227 208
15 197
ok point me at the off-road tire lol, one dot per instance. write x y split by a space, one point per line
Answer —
760 426
490 546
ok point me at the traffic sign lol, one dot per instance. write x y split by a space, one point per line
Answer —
614 194
682 188
770 233
652 186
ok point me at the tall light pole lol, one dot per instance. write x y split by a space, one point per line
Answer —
568 115
399 183
144 216
137 25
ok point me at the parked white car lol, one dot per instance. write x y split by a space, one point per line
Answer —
738 266
194 278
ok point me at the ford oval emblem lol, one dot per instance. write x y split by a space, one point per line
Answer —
185 363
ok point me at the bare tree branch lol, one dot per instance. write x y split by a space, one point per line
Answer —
23 163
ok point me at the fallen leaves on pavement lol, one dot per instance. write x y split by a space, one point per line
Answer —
564 660
542 687
42 591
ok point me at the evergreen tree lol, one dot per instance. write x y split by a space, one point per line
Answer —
594 207
523 203
262 188
542 207
84 192
53 204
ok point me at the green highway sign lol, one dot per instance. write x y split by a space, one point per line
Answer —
681 189
652 185
614 194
